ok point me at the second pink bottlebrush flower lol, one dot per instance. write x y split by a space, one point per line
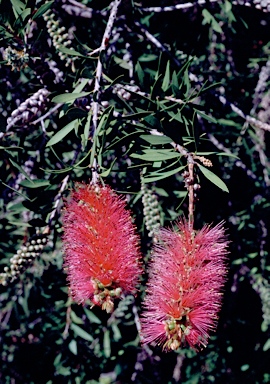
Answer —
187 274
101 247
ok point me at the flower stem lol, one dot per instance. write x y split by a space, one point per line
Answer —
191 193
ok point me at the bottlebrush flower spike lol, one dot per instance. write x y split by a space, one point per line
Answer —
100 245
187 274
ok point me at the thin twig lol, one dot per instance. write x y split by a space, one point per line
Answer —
176 7
177 368
68 322
263 237
78 9
249 119
156 42
202 2
50 112
95 104
58 199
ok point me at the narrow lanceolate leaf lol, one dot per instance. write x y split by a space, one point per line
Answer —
137 115
18 5
20 169
73 347
35 183
107 344
70 52
166 80
206 117
156 139
228 154
213 178
164 175
91 316
69 97
81 332
42 9
62 133
157 155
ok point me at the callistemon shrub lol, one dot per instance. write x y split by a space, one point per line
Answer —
187 274
100 246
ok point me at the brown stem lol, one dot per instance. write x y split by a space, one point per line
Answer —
191 193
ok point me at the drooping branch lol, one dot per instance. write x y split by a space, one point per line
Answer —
249 119
258 4
156 42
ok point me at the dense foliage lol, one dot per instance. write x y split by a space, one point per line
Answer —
124 92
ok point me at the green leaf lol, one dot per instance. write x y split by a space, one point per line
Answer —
156 139
25 13
58 136
186 82
175 116
76 319
138 115
91 316
18 5
180 194
18 223
106 172
69 97
42 9
228 6
230 123
175 82
20 169
266 346
81 84
122 63
140 73
69 51
73 347
81 333
35 183
153 121
166 80
85 136
116 332
147 57
205 116
213 178
6 33
161 192
227 154
107 344
205 153
157 155
209 19
14 190
99 130
244 367
164 175
215 25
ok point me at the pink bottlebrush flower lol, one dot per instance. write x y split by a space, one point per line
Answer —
187 274
100 245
